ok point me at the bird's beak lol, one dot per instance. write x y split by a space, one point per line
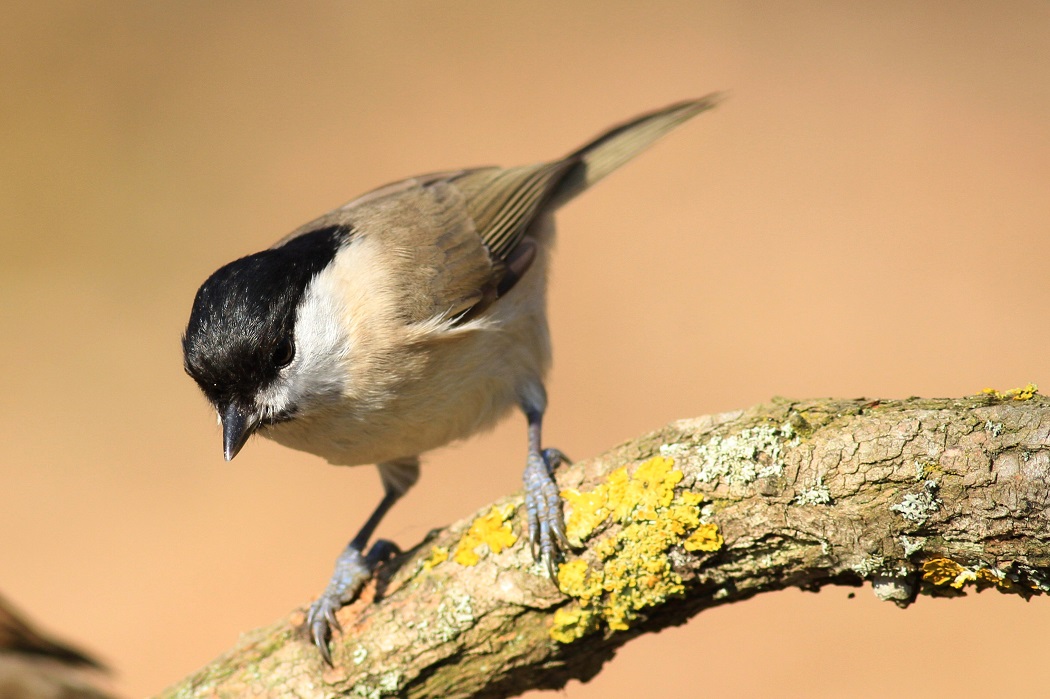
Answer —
238 423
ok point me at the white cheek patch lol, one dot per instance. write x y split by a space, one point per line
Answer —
316 374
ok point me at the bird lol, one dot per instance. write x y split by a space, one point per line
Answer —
406 319
36 666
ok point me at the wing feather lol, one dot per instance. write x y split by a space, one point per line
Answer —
458 239
504 202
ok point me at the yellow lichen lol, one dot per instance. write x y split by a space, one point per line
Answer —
492 530
587 512
683 514
615 486
466 556
650 488
705 538
993 577
438 554
622 497
636 574
632 570
575 580
1025 393
944 571
571 623
965 576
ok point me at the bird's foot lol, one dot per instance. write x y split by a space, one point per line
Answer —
543 507
352 571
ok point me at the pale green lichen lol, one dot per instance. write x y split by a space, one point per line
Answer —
993 428
1036 578
817 495
919 507
912 544
633 570
926 469
869 565
742 458
893 588
385 685
390 682
453 616
491 530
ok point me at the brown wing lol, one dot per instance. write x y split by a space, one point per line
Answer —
458 239
18 637
340 216
449 239
429 247
503 202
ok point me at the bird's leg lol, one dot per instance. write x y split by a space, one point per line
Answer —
353 567
542 500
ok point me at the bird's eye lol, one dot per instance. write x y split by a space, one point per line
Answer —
284 353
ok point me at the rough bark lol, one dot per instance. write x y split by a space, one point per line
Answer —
932 496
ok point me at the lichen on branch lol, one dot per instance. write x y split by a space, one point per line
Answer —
921 496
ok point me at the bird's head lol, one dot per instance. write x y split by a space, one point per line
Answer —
257 342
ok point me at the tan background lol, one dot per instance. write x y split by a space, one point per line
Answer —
867 216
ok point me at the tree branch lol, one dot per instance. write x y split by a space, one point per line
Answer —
922 495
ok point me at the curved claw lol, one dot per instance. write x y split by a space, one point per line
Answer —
352 570
332 619
320 620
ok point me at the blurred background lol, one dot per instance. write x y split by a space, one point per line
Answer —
868 215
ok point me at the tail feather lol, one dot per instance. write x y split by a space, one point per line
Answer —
620 144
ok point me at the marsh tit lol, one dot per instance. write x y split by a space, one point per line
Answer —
409 318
